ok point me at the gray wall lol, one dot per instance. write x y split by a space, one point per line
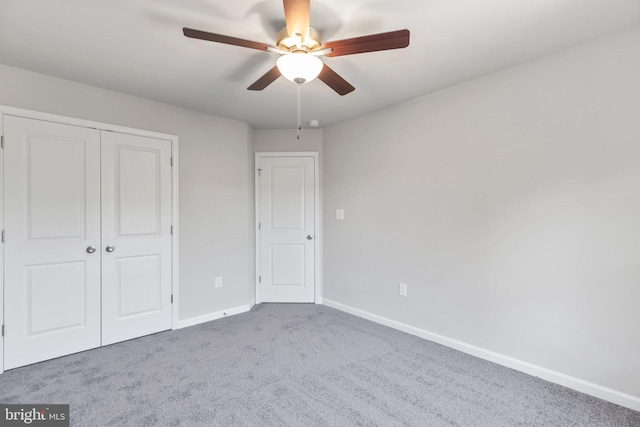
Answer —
285 140
510 205
216 187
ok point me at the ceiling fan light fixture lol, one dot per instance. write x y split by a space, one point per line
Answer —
299 67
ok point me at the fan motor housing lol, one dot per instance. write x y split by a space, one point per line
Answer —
311 42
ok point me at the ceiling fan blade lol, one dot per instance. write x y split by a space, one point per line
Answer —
373 43
320 52
297 13
219 38
264 81
334 81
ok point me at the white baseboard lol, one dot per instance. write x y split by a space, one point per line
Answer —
604 393
192 321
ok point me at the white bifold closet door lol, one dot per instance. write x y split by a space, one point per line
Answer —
52 216
136 236
72 194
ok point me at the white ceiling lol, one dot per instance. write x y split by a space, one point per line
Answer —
137 47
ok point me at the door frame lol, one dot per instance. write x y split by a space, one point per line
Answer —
317 220
36 115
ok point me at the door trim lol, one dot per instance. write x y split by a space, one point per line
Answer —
36 115
317 220
2 243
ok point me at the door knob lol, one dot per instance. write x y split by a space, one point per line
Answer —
309 237
91 249
110 248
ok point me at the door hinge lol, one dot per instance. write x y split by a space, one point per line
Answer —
172 230
259 279
259 226
2 236
2 141
2 330
171 161
259 172
171 298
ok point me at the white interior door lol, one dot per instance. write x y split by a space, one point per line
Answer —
52 220
136 236
287 229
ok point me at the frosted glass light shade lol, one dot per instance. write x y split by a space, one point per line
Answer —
299 66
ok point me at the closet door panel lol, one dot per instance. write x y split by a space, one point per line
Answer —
52 216
136 231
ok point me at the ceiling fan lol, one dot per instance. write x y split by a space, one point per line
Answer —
300 47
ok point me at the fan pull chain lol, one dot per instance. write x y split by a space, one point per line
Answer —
299 109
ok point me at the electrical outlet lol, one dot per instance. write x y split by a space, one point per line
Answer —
218 281
402 289
339 213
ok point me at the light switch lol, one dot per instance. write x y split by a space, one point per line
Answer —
339 213
402 289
